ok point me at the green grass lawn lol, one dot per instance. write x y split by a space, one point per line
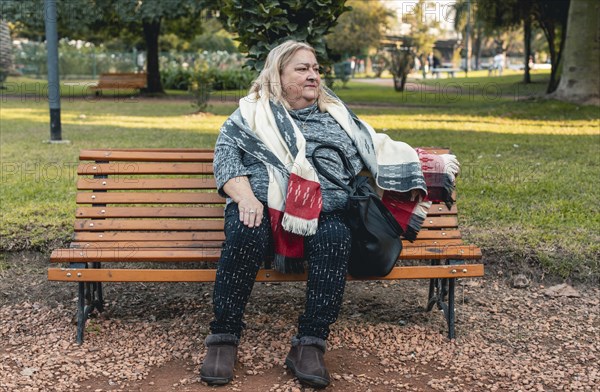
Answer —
527 192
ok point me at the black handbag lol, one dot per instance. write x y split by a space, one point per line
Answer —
376 242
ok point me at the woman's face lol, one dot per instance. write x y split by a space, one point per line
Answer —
300 79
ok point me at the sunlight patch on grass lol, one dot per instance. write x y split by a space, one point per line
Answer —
480 123
191 122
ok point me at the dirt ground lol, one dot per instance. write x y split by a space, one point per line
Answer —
150 337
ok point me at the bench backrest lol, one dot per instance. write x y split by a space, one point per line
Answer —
124 80
167 198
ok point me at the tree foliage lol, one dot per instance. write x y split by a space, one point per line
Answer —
360 29
422 37
549 15
260 26
97 20
476 31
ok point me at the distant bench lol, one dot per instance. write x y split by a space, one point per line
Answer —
450 71
139 206
120 81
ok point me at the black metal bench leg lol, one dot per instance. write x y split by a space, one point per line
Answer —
97 294
90 298
88 294
99 297
439 290
81 316
431 298
450 316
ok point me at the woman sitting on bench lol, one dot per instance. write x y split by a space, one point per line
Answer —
278 208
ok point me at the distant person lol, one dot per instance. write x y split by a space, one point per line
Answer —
427 64
435 65
430 60
499 63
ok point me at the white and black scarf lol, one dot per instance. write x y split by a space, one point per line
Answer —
266 130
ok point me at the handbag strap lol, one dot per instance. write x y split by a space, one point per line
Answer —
355 182
351 189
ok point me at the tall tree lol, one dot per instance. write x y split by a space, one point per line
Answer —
580 78
5 51
260 26
95 20
476 29
549 15
421 29
147 17
359 29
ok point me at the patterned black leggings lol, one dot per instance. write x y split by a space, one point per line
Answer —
327 253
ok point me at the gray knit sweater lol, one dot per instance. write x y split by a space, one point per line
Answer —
318 128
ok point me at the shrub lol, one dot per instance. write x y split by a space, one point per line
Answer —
176 76
232 79
201 85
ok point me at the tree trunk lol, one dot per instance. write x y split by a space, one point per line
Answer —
580 79
527 38
477 47
5 51
550 34
151 33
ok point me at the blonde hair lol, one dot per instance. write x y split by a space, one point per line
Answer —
268 82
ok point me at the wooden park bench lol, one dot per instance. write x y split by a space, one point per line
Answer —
450 71
139 207
120 81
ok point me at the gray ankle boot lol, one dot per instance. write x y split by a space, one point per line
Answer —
221 356
306 361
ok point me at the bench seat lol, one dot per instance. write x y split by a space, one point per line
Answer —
140 207
450 71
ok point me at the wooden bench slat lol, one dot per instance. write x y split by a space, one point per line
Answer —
440 222
117 236
150 243
189 198
145 156
136 254
436 150
124 236
441 209
127 236
121 80
148 225
149 212
145 183
119 84
149 198
264 275
116 168
184 150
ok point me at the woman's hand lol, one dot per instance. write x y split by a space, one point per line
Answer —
251 209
